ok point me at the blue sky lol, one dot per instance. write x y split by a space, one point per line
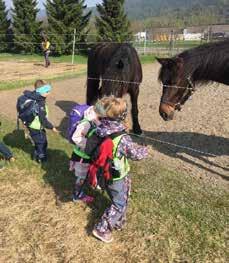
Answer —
40 3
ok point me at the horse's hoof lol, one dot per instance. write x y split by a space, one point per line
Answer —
138 132
141 134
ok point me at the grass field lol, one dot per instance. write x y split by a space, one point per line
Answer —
167 44
40 58
23 83
171 217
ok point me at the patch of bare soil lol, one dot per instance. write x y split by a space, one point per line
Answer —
13 71
203 124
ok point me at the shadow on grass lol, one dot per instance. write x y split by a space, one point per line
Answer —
56 168
218 146
56 174
39 65
65 106
98 207
101 200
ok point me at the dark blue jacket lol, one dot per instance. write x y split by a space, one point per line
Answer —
42 111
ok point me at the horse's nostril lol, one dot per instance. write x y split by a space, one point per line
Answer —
164 115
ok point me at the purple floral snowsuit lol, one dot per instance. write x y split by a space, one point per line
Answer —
115 216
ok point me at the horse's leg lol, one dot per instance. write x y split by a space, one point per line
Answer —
92 90
134 92
92 80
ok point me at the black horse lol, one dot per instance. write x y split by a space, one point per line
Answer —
120 71
180 74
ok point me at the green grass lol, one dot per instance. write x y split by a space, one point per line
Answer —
147 59
67 59
33 58
8 85
188 218
166 44
171 217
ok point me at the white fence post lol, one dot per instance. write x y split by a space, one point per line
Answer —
144 52
73 46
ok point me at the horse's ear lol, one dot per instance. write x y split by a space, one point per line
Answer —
120 64
160 60
165 61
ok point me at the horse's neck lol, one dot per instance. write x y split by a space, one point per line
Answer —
222 77
208 71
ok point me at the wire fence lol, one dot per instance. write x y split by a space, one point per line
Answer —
147 48
174 145
187 148
157 44
160 44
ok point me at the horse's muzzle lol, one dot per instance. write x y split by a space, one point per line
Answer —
166 111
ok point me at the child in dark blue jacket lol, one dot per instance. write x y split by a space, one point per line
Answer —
40 123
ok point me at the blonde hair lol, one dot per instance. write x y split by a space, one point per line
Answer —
112 107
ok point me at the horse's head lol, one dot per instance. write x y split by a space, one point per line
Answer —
117 73
177 86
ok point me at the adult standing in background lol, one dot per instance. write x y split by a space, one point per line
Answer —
46 50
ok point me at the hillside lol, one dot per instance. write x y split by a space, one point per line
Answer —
171 12
141 9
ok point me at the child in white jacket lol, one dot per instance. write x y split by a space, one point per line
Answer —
80 160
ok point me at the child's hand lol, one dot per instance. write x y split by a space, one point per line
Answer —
150 151
55 130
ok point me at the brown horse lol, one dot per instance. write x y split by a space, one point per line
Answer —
120 71
180 74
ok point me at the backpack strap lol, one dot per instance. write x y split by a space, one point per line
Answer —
18 122
91 129
117 134
39 112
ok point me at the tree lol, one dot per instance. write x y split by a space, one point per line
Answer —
65 16
4 27
112 24
26 29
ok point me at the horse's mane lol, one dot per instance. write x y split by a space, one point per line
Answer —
206 61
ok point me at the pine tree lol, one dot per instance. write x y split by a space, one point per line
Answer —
4 27
26 28
112 24
65 16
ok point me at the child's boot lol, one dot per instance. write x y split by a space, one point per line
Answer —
103 236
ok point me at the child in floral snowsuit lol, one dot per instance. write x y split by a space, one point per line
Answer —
115 216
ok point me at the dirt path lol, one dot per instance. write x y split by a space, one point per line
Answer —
203 124
13 71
